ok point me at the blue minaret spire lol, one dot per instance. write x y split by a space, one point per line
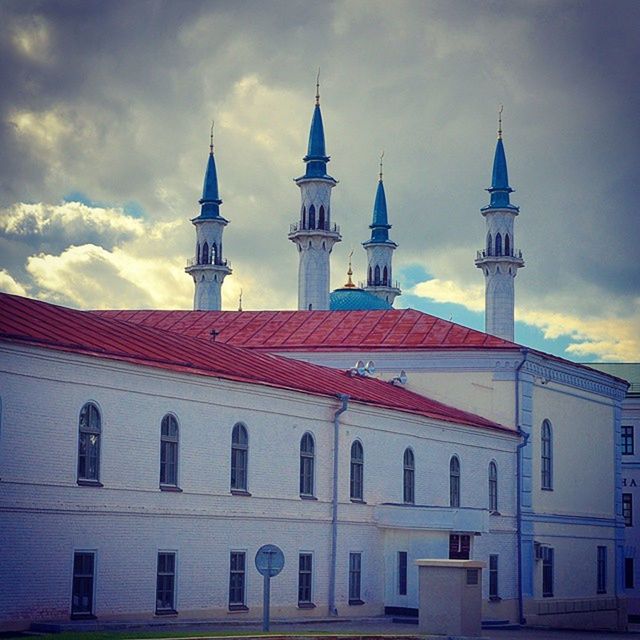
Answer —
499 260
208 268
500 188
379 225
210 201
380 249
316 158
314 234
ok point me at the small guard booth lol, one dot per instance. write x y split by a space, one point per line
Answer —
450 596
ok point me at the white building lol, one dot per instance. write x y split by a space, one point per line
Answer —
142 465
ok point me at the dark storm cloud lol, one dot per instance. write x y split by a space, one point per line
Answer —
114 99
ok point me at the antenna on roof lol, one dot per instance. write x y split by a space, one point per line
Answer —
240 301
500 110
318 87
211 136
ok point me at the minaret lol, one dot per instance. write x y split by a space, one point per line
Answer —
313 234
499 260
380 249
208 268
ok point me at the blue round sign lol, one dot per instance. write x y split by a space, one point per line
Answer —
269 560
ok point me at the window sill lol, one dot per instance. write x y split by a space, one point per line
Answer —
306 605
89 483
494 513
495 599
304 496
171 488
355 603
166 612
239 492
546 488
238 607
358 501
82 616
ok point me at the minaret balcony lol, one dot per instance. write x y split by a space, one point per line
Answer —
514 257
193 262
298 229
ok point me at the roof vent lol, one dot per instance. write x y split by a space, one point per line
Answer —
401 379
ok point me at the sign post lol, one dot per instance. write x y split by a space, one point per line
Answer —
269 563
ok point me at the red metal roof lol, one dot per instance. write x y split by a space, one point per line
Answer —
318 330
32 322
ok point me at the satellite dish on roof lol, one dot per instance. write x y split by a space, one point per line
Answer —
360 368
402 378
370 367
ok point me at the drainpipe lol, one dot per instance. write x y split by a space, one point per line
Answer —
334 506
525 436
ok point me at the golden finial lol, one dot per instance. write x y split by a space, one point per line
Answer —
211 137
500 110
240 301
318 87
381 156
350 284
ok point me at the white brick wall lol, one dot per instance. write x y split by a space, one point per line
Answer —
46 516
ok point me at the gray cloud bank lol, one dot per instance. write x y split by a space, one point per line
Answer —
114 99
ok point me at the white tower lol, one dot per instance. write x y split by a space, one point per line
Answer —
313 234
499 260
380 250
208 268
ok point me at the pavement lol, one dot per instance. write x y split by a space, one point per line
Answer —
369 629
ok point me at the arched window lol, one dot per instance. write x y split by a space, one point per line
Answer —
489 249
385 277
239 458
493 487
321 218
507 245
409 477
376 275
454 482
89 430
370 281
214 254
169 451
205 253
546 456
312 217
356 485
304 217
307 459
498 244
198 253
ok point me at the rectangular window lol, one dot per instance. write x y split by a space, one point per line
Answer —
166 582
355 574
627 509
602 570
493 577
402 573
459 546
627 440
305 573
547 572
83 572
237 561
629 581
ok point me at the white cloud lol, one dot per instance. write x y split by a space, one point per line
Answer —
72 218
608 337
9 285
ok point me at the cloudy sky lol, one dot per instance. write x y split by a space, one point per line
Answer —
105 109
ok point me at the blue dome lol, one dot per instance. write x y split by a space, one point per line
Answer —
348 299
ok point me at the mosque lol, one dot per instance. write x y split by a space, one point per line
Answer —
145 456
